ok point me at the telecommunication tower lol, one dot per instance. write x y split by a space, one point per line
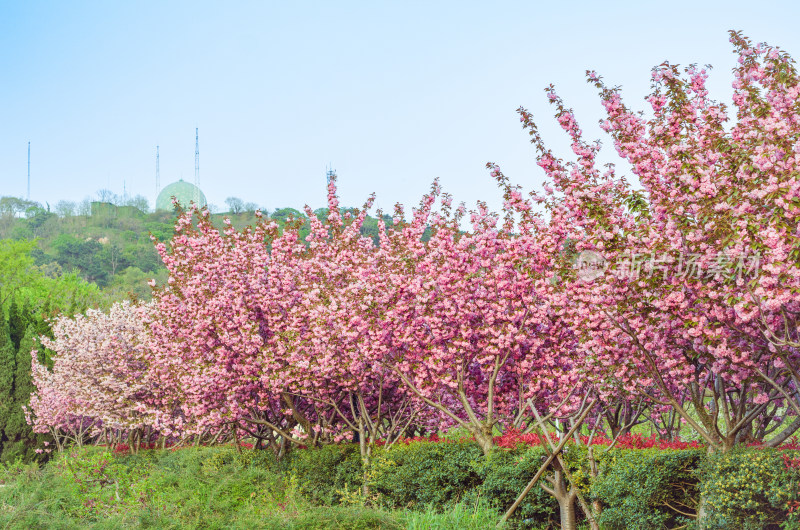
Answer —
29 171
196 167
330 173
158 175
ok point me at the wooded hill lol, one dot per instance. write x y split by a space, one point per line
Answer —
109 244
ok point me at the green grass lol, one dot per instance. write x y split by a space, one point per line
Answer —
460 516
209 488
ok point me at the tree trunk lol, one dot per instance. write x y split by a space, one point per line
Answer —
282 448
565 498
567 512
484 440
596 507
236 439
701 513
366 456
701 503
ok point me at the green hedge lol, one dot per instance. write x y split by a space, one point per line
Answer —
422 474
748 489
647 488
637 488
505 473
323 474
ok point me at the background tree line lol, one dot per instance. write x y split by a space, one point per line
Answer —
29 300
115 251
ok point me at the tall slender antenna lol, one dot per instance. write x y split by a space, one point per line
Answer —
29 171
158 175
331 172
196 167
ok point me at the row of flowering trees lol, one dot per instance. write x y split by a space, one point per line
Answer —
315 341
687 316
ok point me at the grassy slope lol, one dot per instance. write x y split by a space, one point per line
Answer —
191 488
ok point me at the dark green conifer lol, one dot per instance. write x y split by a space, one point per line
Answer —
20 440
7 369
17 323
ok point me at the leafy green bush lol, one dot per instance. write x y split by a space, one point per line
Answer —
324 472
34 497
19 471
214 487
647 488
505 473
420 473
746 488
436 478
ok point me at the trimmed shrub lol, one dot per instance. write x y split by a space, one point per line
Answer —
322 473
748 488
647 488
422 474
505 473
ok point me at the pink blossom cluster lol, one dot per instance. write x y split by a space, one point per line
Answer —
719 352
337 337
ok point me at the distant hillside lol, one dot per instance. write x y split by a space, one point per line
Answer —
109 245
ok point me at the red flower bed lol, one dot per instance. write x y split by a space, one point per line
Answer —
629 441
430 438
512 439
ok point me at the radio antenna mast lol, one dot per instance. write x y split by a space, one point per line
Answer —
196 167
158 174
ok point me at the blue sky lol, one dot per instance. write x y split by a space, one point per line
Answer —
392 94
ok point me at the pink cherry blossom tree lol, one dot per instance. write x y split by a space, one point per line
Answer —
468 330
260 331
672 318
99 382
224 301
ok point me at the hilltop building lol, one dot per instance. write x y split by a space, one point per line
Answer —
112 211
185 192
